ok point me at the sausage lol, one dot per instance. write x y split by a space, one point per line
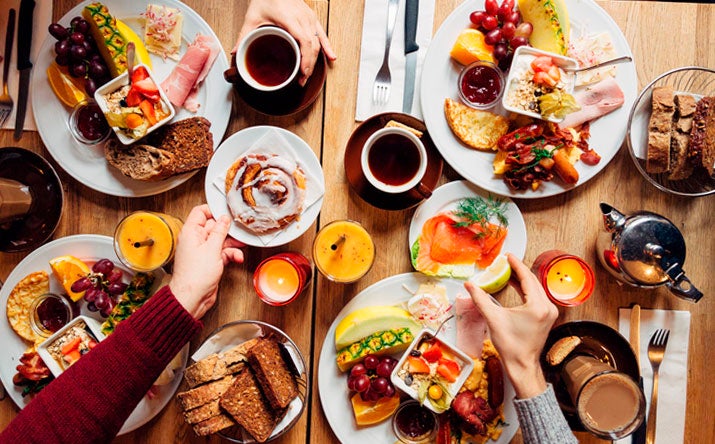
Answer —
495 377
507 141
564 169
590 157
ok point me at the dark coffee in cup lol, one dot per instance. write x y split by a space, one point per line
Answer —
394 161
270 59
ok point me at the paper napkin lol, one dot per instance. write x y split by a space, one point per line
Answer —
372 49
272 142
673 379
42 17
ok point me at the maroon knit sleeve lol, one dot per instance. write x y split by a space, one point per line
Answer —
91 400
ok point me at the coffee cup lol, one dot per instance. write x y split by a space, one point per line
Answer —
609 403
15 200
267 59
394 161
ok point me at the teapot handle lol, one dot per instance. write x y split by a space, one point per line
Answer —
684 289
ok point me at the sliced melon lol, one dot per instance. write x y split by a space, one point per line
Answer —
550 20
365 321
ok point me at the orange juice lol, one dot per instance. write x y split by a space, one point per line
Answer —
343 251
281 278
145 240
567 279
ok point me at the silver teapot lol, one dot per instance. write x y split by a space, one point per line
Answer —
644 250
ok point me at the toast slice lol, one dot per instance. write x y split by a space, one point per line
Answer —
208 369
189 140
249 407
659 130
681 166
202 413
276 380
213 424
702 136
204 394
478 129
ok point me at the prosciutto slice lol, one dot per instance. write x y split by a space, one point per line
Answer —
181 86
471 326
595 100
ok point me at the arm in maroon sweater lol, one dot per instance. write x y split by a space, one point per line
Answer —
91 400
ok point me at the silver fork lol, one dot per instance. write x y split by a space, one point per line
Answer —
5 99
381 88
656 350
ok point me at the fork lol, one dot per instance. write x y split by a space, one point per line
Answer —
5 99
656 350
381 88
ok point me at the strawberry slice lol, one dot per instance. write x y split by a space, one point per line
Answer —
543 78
448 369
542 63
417 365
133 98
148 89
433 353
140 73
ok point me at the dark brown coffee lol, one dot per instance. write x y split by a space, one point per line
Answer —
394 159
270 60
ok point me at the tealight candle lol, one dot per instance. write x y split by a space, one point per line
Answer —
281 278
145 241
567 279
343 251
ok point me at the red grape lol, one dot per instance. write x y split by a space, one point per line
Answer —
507 30
81 284
78 53
102 300
75 20
514 17
371 362
82 26
518 41
510 3
62 60
78 70
104 266
524 29
351 383
490 22
77 38
57 31
379 385
361 383
62 47
115 275
358 370
116 288
389 391
500 51
90 86
91 306
493 37
491 6
476 17
91 294
503 12
383 369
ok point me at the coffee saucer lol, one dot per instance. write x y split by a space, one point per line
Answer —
44 214
289 100
597 340
358 181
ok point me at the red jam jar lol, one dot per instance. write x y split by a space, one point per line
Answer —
87 123
50 312
481 85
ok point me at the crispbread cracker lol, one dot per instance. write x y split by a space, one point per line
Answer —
19 303
477 129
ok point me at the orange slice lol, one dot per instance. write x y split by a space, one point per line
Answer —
68 89
372 412
67 269
470 47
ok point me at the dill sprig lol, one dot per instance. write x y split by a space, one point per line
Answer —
477 210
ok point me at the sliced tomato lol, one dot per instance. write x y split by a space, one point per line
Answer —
416 364
433 353
448 369
140 73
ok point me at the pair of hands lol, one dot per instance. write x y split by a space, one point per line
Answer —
296 17
519 333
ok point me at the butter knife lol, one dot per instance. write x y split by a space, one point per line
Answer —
24 45
634 337
411 10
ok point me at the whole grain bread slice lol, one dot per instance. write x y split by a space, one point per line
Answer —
659 130
204 394
681 166
702 136
202 413
277 382
213 424
189 140
140 162
208 369
245 402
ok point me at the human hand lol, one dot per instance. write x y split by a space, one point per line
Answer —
202 251
296 17
519 333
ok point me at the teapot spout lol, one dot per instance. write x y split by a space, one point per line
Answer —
613 220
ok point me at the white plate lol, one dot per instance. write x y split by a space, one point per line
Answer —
88 247
332 383
439 81
87 163
448 196
229 151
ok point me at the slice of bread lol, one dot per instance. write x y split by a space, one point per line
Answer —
204 394
681 166
249 407
276 380
202 413
213 424
659 129
478 129
208 369
140 162
189 140
702 136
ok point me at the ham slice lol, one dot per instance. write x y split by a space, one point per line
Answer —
595 100
181 86
471 326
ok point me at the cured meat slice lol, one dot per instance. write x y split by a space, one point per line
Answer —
182 83
471 326
595 101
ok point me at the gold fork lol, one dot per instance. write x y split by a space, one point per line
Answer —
656 350
5 99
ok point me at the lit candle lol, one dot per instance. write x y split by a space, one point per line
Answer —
282 277
567 279
343 251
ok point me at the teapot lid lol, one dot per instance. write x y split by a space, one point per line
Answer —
650 247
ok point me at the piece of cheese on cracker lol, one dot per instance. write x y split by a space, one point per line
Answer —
19 303
477 129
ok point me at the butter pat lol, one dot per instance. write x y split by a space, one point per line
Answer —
162 30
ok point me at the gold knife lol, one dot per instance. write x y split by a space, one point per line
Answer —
635 333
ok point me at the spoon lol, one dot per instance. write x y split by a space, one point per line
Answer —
600 65
130 61
436 332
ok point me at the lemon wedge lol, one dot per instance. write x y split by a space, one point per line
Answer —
495 276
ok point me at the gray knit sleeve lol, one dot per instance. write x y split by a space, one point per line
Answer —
541 419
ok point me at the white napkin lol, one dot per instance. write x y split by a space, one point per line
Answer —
272 142
372 49
42 17
673 383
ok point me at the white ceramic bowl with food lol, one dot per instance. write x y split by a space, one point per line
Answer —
52 360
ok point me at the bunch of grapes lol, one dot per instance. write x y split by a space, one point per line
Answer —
503 29
102 287
76 49
371 378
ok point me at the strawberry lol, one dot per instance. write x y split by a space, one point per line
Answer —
133 97
448 369
554 73
147 88
543 78
140 73
417 365
433 353
542 63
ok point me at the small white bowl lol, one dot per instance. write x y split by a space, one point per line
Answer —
466 365
95 329
119 82
522 59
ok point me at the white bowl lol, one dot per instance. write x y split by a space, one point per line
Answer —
119 82
95 329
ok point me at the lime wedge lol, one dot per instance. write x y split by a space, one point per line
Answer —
496 276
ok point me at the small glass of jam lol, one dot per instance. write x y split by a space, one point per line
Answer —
481 85
414 424
87 123
50 312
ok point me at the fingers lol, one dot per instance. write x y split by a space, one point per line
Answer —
232 255
530 285
482 300
218 233
325 43
309 51
198 215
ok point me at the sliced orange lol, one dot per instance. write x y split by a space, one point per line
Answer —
372 412
68 89
67 269
470 47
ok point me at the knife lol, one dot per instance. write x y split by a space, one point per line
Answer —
411 9
24 44
634 333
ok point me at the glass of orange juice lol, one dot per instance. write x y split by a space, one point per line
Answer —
567 279
145 240
282 277
343 251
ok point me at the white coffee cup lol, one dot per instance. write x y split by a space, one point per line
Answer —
250 76
394 161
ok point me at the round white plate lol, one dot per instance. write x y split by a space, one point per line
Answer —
88 247
332 383
228 152
447 197
87 163
439 81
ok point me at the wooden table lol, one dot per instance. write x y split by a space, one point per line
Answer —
661 36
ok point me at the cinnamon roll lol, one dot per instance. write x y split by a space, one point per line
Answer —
265 191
